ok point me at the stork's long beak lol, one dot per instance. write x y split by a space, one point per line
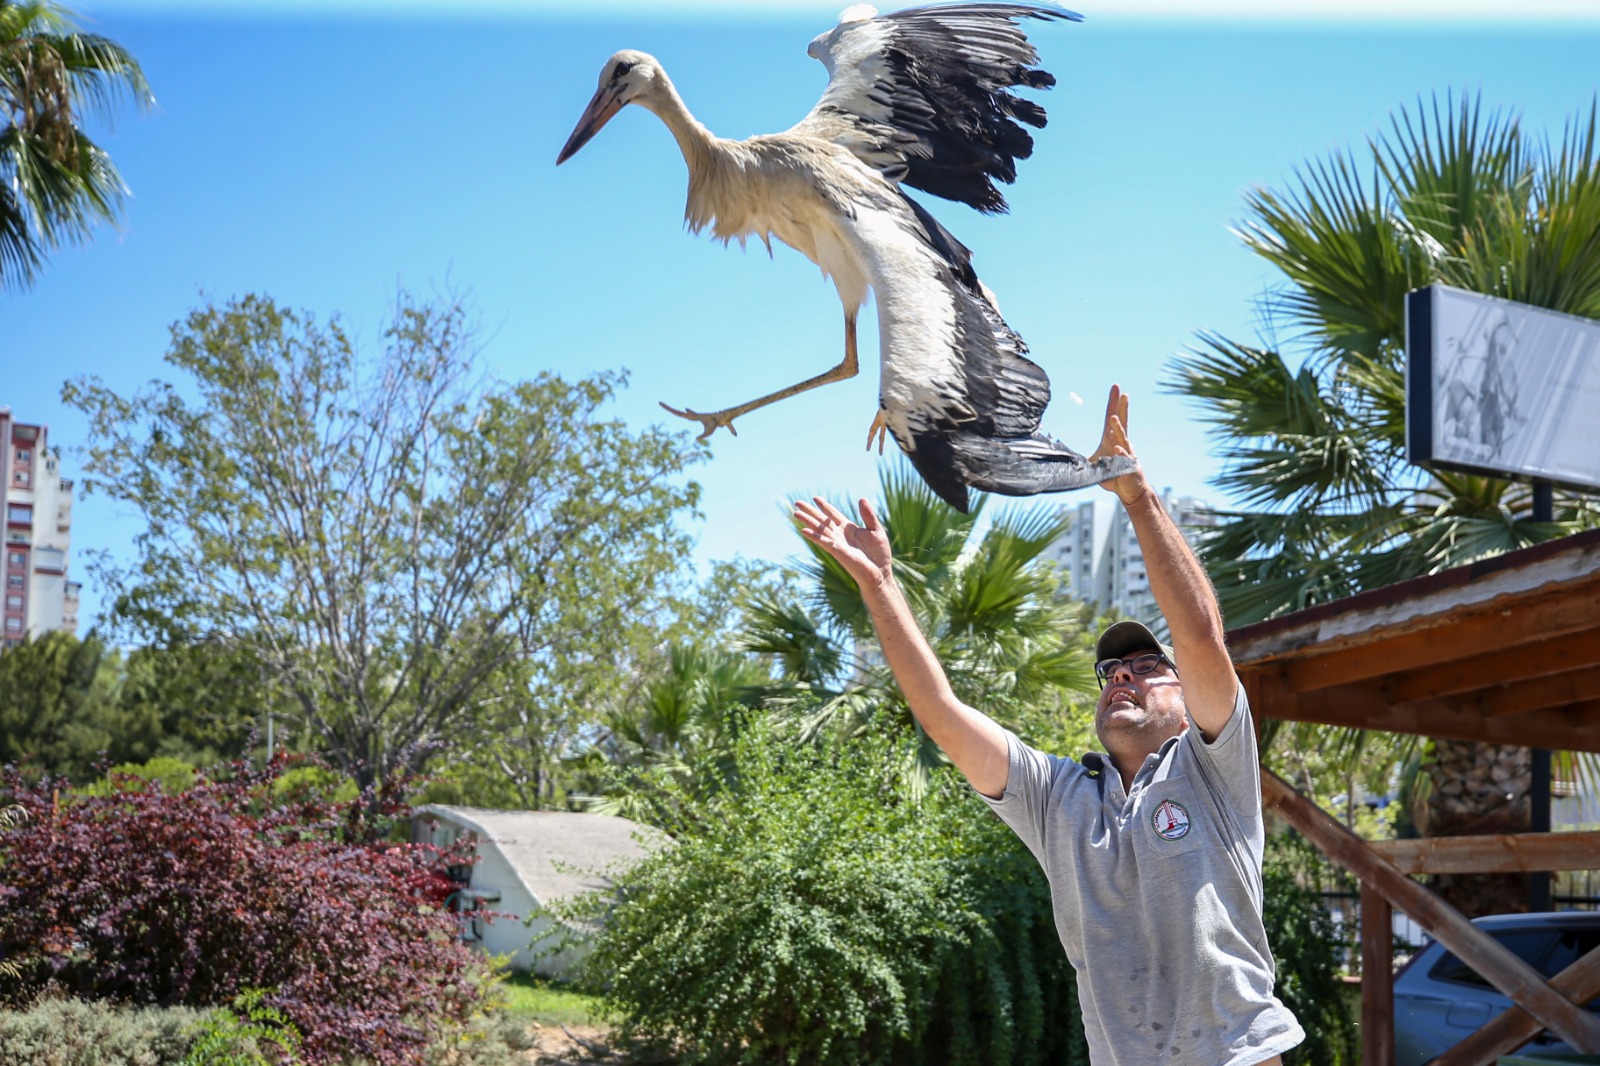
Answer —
597 114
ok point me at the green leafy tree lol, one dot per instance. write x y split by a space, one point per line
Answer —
58 705
201 701
55 183
69 706
988 603
1312 430
402 548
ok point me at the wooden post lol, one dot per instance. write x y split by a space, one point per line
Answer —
1377 978
1513 977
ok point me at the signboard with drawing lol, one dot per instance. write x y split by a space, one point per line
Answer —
1502 388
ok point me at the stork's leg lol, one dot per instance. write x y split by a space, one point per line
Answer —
846 369
878 429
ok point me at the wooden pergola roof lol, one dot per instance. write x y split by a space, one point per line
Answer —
1506 651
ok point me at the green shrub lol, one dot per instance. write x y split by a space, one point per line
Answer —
173 775
314 783
251 1033
1307 947
487 1040
811 914
74 1033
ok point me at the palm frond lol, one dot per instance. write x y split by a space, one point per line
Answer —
57 183
1336 241
1451 166
791 635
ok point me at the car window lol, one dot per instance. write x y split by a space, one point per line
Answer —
1532 946
1570 946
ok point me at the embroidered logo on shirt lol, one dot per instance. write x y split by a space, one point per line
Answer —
1170 821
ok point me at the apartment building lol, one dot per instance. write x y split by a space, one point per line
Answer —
38 533
1114 578
1073 552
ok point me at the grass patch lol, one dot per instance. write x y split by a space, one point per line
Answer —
549 1002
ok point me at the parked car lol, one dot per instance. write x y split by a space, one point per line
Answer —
1439 1000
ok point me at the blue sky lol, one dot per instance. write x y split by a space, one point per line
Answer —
329 153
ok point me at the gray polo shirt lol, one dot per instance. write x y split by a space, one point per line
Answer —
1157 896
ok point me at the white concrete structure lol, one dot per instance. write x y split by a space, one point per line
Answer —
1114 578
38 535
1073 552
526 861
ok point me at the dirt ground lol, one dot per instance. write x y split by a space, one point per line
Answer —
571 1045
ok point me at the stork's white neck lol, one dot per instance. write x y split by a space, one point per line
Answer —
696 142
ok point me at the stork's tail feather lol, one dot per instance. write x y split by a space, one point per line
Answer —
1022 466
1031 465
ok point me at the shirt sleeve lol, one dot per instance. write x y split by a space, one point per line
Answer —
1026 799
1232 760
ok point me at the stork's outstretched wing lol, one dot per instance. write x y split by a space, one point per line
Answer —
923 95
958 391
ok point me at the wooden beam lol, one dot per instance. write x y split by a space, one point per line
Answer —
1477 949
1507 623
1377 978
1505 853
1498 668
1515 1027
1267 691
1558 690
1574 728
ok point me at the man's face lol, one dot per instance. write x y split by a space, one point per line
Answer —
1140 709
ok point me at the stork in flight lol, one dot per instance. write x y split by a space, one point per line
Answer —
917 97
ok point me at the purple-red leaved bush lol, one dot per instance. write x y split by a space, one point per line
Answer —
142 896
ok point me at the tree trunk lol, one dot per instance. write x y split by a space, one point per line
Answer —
1478 789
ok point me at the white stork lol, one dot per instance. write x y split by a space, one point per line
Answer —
918 97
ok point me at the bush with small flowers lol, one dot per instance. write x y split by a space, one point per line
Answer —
142 895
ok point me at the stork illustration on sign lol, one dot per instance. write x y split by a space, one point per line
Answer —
919 97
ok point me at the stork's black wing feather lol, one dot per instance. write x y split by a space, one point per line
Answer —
925 95
975 422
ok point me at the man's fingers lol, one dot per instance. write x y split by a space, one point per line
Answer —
830 510
869 517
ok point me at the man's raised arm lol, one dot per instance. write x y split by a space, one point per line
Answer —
1179 584
972 740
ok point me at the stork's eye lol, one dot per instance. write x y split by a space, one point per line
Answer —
622 68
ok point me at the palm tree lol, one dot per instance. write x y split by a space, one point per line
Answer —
678 738
55 183
987 602
1311 431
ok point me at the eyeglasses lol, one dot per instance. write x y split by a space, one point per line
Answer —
1139 665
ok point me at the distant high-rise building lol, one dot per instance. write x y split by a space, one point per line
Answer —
38 532
1073 551
1116 581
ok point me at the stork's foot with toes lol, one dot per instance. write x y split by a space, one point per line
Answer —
879 430
846 369
714 421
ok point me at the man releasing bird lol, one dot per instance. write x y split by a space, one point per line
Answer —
922 98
